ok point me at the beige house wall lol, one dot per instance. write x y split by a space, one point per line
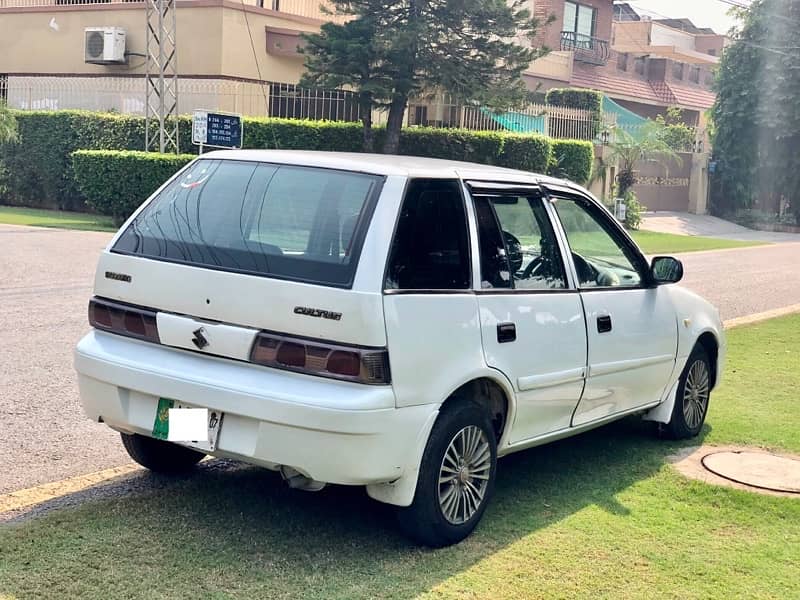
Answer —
212 38
237 58
28 45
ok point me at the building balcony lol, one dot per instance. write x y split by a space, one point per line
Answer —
586 48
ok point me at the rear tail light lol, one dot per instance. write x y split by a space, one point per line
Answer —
362 365
124 319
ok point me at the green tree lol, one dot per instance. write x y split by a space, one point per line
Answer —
389 51
756 115
678 135
349 55
8 124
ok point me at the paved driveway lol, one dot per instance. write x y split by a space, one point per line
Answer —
45 282
705 225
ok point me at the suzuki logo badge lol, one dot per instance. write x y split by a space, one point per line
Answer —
199 339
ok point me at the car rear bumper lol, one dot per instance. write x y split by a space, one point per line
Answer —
328 430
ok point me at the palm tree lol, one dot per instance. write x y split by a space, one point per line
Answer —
8 125
646 144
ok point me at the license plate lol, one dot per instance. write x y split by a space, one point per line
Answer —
161 424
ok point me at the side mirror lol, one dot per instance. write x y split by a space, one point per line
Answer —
665 269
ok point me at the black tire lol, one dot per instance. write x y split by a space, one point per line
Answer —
425 520
160 456
687 422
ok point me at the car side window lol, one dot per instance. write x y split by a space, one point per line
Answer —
601 257
518 246
430 250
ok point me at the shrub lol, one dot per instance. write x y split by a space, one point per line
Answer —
573 160
37 170
115 182
590 100
527 153
633 211
453 144
38 165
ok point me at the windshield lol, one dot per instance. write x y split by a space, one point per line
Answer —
283 221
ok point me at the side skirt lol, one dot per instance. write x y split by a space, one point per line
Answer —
570 431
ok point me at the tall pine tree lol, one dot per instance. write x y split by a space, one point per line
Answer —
389 51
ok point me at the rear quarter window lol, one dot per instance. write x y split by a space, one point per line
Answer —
283 221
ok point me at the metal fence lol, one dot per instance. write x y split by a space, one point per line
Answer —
126 95
552 121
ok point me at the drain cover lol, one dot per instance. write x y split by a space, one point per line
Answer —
756 469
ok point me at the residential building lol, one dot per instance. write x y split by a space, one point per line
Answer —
238 55
642 65
243 56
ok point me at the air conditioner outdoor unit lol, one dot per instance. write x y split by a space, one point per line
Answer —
104 45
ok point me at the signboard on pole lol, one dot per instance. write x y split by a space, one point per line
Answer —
219 130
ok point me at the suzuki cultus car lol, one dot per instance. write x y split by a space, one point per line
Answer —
391 322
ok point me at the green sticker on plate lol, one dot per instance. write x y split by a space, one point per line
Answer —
161 426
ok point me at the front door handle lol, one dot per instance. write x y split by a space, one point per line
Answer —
604 324
506 332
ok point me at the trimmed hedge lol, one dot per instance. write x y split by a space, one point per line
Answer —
115 183
38 169
527 153
573 160
590 100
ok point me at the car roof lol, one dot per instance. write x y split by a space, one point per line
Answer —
388 164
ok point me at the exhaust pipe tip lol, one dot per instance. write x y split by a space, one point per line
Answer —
297 481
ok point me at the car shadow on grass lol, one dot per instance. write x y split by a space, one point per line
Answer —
240 530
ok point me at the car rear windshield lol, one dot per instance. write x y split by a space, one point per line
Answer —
281 221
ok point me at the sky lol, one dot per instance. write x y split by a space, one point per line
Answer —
703 13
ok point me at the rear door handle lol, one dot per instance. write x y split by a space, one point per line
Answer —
604 324
506 332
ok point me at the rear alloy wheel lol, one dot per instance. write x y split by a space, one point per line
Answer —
456 477
691 402
160 456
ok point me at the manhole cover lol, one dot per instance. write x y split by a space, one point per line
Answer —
756 469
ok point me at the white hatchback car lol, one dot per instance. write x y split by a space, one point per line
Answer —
393 322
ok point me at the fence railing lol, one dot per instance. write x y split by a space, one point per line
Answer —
126 95
552 121
586 48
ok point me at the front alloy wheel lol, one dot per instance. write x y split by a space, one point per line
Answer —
695 394
691 402
456 476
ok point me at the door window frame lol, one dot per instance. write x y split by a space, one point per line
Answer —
611 226
474 188
469 221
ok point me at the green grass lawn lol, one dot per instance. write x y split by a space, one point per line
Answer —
14 215
652 242
599 515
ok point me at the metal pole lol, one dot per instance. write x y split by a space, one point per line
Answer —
161 77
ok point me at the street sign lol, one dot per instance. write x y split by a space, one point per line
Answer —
219 130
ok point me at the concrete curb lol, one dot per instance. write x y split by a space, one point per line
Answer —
763 316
